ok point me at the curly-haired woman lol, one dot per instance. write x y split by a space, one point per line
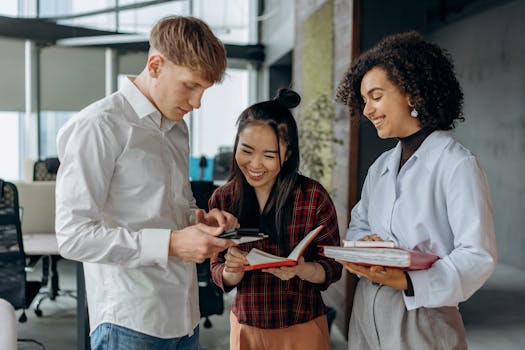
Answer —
429 193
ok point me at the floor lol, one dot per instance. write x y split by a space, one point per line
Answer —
494 317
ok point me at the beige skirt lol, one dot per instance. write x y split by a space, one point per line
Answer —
311 335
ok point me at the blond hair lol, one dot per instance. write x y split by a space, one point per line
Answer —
189 42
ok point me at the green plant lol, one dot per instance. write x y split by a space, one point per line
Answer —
316 138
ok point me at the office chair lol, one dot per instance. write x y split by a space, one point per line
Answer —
222 164
14 286
210 296
46 170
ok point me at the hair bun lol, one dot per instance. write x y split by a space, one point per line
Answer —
287 98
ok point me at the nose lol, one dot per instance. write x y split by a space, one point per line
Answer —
256 162
195 99
368 109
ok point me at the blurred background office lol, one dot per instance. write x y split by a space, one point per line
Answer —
57 56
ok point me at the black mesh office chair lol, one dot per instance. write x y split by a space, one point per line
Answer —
222 164
46 170
14 286
211 300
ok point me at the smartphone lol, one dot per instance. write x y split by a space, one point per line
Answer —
240 232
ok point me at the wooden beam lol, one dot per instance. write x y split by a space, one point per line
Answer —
353 158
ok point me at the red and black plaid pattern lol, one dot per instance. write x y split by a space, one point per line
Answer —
265 301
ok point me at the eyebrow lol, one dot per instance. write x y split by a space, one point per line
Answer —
372 90
191 82
265 151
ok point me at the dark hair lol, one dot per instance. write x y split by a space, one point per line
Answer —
276 114
418 68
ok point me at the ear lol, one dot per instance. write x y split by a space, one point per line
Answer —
154 64
409 101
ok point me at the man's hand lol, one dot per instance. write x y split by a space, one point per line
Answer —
197 243
388 276
217 218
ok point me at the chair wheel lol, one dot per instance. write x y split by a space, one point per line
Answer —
207 323
38 312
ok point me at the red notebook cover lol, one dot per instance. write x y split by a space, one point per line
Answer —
259 259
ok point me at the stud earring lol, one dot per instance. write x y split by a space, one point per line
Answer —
414 113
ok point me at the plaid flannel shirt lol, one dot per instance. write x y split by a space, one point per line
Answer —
265 301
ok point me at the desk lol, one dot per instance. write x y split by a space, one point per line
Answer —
41 244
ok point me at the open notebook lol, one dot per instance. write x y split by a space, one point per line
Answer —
259 259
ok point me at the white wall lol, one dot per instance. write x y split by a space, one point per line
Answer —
489 54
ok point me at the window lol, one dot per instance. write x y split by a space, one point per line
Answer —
11 140
50 123
213 125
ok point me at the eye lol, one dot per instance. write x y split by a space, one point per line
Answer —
246 151
190 86
377 98
269 156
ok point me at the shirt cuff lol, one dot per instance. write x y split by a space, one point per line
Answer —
420 283
155 246
192 217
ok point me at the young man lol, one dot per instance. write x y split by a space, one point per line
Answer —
124 202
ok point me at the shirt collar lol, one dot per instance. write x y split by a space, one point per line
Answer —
431 149
428 152
140 103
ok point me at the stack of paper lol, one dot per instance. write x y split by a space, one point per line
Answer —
383 256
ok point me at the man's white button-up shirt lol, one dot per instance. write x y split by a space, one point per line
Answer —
122 186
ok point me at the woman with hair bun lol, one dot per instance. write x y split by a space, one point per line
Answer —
276 308
428 194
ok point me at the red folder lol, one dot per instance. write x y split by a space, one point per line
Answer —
383 256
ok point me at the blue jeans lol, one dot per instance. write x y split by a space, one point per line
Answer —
108 336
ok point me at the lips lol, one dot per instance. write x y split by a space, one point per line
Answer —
183 110
256 175
378 121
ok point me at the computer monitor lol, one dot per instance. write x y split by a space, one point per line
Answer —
37 206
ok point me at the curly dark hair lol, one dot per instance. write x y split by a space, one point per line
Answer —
422 70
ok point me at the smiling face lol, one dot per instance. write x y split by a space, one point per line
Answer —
386 106
174 90
258 158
